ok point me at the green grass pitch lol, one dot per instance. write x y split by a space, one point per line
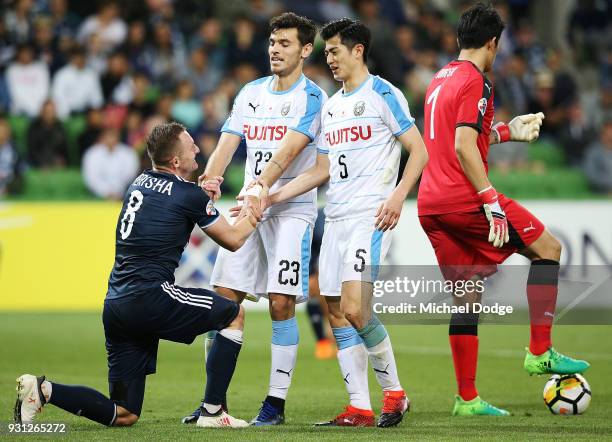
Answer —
69 348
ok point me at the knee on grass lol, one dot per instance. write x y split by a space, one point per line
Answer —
125 418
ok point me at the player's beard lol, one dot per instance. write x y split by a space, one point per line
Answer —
287 69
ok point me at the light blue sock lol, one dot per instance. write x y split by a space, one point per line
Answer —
346 337
373 333
285 338
285 332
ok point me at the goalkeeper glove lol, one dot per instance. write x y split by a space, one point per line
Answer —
521 128
498 225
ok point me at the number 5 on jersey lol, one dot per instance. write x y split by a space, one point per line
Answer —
343 168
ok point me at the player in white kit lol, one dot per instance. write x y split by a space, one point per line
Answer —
276 113
363 126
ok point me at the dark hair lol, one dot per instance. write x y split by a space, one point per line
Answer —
351 32
306 28
477 25
161 142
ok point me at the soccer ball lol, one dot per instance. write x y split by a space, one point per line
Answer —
567 394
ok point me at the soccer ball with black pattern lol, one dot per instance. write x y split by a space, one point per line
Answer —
567 394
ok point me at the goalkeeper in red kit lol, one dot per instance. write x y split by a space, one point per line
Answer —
472 228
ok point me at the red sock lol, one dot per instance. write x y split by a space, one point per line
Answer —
465 359
542 298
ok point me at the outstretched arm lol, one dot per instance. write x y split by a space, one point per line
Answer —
292 144
308 180
521 128
218 162
232 236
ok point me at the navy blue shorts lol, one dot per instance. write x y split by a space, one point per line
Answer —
134 325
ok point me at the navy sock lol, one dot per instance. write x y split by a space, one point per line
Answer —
277 403
313 307
220 368
83 401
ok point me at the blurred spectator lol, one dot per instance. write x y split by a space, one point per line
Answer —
47 142
7 48
45 45
135 131
18 21
598 161
163 108
588 24
210 37
135 45
93 130
334 10
576 135
203 77
117 85
96 54
140 100
65 22
405 38
512 89
565 88
384 57
109 166
448 46
543 101
10 173
27 81
76 87
428 26
185 108
107 24
532 50
246 47
165 58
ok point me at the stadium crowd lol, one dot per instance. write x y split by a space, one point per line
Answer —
82 83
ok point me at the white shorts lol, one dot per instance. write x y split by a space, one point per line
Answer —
274 259
351 250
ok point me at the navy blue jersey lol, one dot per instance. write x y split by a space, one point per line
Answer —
158 215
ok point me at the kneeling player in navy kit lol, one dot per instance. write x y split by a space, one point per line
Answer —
143 305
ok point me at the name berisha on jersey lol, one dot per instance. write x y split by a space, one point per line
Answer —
158 184
348 134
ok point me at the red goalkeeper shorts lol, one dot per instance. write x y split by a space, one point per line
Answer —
460 239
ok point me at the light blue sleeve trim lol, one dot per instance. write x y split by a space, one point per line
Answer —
323 151
314 102
404 121
231 131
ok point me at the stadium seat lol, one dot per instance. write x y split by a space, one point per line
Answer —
547 153
55 185
19 128
75 126
556 183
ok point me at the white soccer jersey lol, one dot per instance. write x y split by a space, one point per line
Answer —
359 131
262 116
